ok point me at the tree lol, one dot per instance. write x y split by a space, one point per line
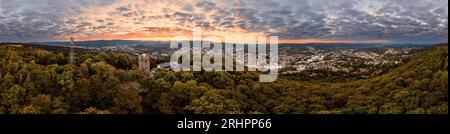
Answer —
103 69
8 81
84 70
96 88
391 108
93 110
214 103
104 97
44 102
13 98
82 95
67 84
59 105
124 62
30 109
180 95
127 99
156 88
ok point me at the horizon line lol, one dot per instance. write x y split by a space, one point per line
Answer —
281 41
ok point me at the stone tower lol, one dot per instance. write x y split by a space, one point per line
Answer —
144 63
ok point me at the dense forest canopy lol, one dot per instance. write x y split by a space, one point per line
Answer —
39 81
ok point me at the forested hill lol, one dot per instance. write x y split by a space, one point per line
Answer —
34 80
419 86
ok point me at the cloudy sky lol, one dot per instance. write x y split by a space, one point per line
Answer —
294 21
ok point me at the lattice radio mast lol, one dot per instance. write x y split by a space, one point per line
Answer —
72 51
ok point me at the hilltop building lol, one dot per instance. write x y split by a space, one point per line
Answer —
162 66
144 62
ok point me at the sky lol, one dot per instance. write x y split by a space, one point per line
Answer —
293 21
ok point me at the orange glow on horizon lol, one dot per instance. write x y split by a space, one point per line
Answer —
169 37
307 41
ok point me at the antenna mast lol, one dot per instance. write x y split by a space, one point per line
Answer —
72 51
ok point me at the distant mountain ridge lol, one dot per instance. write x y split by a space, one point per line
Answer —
104 43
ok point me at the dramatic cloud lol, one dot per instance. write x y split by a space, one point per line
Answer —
394 20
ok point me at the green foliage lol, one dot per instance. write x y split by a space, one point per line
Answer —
214 103
92 110
37 81
30 109
127 99
13 97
